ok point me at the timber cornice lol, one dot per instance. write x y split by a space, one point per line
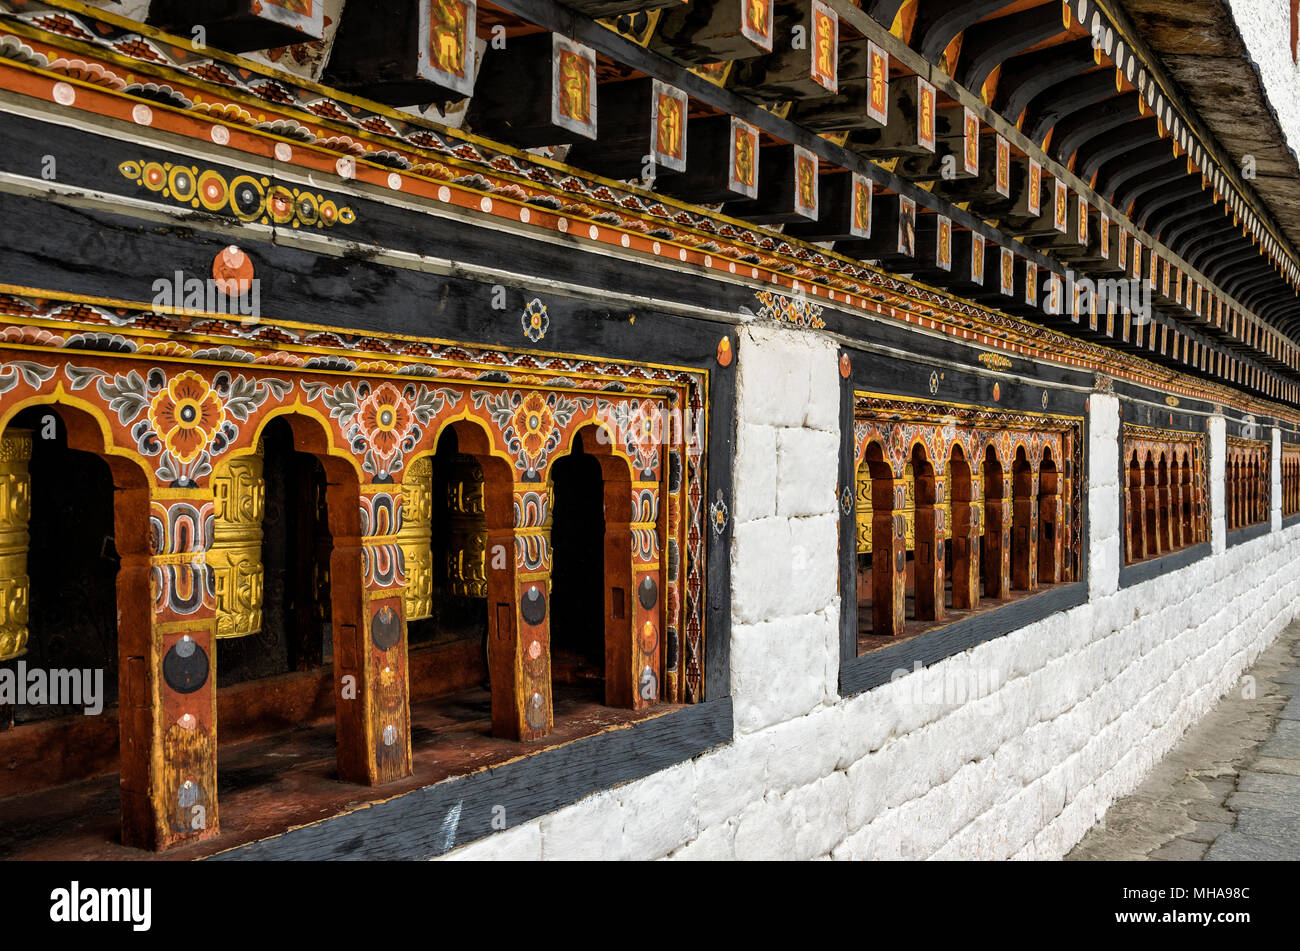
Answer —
512 178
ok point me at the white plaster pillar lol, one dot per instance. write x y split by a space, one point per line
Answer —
1275 477
784 526
1217 429
1104 495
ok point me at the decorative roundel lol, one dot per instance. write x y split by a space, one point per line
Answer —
182 182
247 197
535 712
185 666
648 593
1044 399
846 365
386 628
232 270
648 684
212 191
308 208
724 352
154 177
280 204
390 735
533 605
900 563
187 794
535 660
649 637
997 392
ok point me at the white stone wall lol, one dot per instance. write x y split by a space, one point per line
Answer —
1265 26
1065 716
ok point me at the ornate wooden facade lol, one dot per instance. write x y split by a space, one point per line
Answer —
403 355
960 506
1290 479
1248 482
1164 482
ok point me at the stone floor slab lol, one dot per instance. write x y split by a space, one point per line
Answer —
1237 847
1285 743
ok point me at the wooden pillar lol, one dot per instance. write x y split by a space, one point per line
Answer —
1151 523
928 561
167 701
372 714
643 600
519 638
997 539
888 558
1024 520
1049 528
966 547
1176 539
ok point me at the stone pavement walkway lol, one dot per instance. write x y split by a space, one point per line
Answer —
1230 789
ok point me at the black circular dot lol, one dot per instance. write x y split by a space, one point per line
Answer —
386 628
533 605
185 666
648 593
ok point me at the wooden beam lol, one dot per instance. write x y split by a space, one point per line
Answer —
540 63
418 51
242 25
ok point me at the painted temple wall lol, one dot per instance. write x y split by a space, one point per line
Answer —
1266 30
1065 715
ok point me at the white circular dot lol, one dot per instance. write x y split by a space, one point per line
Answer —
682 254
485 203
64 94
444 194
732 267
708 260
346 166
593 232
753 272
220 134
524 213
563 225
394 181
142 114
656 247
283 152
627 241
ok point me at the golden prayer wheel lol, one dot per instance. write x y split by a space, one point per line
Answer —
467 530
15 508
239 502
415 538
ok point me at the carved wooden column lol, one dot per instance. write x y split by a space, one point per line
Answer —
646 608
888 558
1024 553
519 639
167 700
1050 531
15 586
929 558
372 714
1176 539
965 546
1150 518
997 538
